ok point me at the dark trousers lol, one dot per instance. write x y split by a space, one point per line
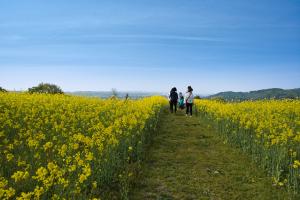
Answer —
173 106
189 108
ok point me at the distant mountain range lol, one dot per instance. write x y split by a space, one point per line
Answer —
273 93
107 94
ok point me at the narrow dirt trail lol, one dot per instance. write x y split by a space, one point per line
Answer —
188 160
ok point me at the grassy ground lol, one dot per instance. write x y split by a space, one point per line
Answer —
187 160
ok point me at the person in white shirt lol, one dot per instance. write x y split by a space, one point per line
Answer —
189 100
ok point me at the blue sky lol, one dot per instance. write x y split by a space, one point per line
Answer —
142 45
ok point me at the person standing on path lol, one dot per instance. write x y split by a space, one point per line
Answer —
173 99
189 99
181 101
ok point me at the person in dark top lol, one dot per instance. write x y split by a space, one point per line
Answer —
173 99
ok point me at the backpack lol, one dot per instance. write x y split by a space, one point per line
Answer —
173 96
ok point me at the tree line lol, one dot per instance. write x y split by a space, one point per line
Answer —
45 88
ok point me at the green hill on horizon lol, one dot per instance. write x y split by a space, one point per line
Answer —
272 93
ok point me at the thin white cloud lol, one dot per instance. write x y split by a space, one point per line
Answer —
12 37
76 66
117 37
148 36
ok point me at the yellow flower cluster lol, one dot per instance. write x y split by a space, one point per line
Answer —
62 147
269 130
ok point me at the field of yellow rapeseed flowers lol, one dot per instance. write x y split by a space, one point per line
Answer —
269 130
66 147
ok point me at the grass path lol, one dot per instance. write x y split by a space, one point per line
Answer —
187 160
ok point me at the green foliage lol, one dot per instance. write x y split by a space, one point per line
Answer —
197 97
274 93
2 90
46 88
219 99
